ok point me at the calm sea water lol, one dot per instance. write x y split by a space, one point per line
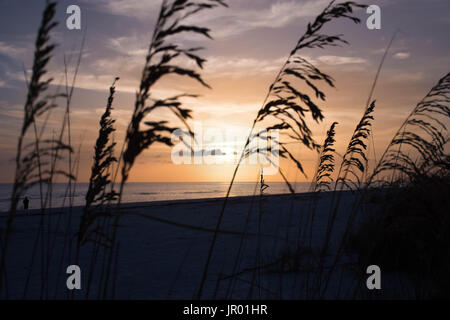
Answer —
148 191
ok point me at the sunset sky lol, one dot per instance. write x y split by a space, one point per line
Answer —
252 39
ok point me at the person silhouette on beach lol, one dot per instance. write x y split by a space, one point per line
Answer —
26 201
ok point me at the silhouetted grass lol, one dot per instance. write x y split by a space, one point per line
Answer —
96 211
354 162
325 169
419 142
97 195
407 231
34 160
162 60
287 106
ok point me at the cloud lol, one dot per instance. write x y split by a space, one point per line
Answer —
237 20
240 17
11 110
220 66
339 60
132 8
131 45
103 82
407 77
281 13
11 50
402 55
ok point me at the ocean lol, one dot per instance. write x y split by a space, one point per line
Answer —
148 191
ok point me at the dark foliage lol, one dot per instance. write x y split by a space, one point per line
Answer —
286 104
419 144
97 195
161 62
325 169
408 231
35 161
355 160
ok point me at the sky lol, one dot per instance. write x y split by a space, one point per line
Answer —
252 39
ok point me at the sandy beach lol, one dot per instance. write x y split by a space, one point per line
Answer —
301 155
163 247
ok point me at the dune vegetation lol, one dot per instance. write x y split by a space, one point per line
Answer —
398 217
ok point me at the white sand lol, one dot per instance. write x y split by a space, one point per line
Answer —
164 245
